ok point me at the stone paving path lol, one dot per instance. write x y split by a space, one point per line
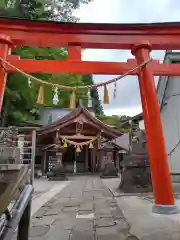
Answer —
85 209
146 225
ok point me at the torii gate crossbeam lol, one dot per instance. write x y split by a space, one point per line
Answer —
139 38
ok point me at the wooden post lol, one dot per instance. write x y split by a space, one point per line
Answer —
33 155
101 159
86 158
162 186
93 159
44 162
98 159
75 162
117 162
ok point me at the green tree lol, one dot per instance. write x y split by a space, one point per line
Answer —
57 10
119 122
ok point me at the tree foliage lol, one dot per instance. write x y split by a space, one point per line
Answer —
119 122
58 10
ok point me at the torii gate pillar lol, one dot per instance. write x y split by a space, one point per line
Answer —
5 48
161 180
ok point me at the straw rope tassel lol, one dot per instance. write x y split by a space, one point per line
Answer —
78 149
40 98
73 100
106 96
90 145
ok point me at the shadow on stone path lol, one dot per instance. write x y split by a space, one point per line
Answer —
85 209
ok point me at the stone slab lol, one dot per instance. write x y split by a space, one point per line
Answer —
82 235
71 203
107 193
116 213
102 211
122 226
44 221
85 212
40 212
53 211
104 222
86 207
70 209
100 202
60 200
65 223
106 230
39 231
109 237
84 225
58 234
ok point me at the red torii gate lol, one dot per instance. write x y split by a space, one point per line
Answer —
140 38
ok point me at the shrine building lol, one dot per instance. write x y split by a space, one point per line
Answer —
76 138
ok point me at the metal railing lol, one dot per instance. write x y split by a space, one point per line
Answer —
19 217
17 220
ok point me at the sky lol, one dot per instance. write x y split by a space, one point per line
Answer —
128 100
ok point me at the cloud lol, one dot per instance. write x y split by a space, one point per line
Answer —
125 11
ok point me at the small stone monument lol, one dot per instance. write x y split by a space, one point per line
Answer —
109 170
58 173
136 176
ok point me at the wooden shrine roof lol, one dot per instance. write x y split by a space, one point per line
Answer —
71 118
121 143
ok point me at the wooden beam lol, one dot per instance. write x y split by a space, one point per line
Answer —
86 67
77 67
105 36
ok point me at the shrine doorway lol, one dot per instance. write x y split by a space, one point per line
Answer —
76 162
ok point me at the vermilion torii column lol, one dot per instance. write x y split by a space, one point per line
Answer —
5 48
161 180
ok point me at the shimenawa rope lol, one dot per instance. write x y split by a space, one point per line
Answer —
63 87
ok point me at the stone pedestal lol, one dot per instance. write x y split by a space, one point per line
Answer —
59 173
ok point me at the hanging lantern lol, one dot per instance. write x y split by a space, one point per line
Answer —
55 96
